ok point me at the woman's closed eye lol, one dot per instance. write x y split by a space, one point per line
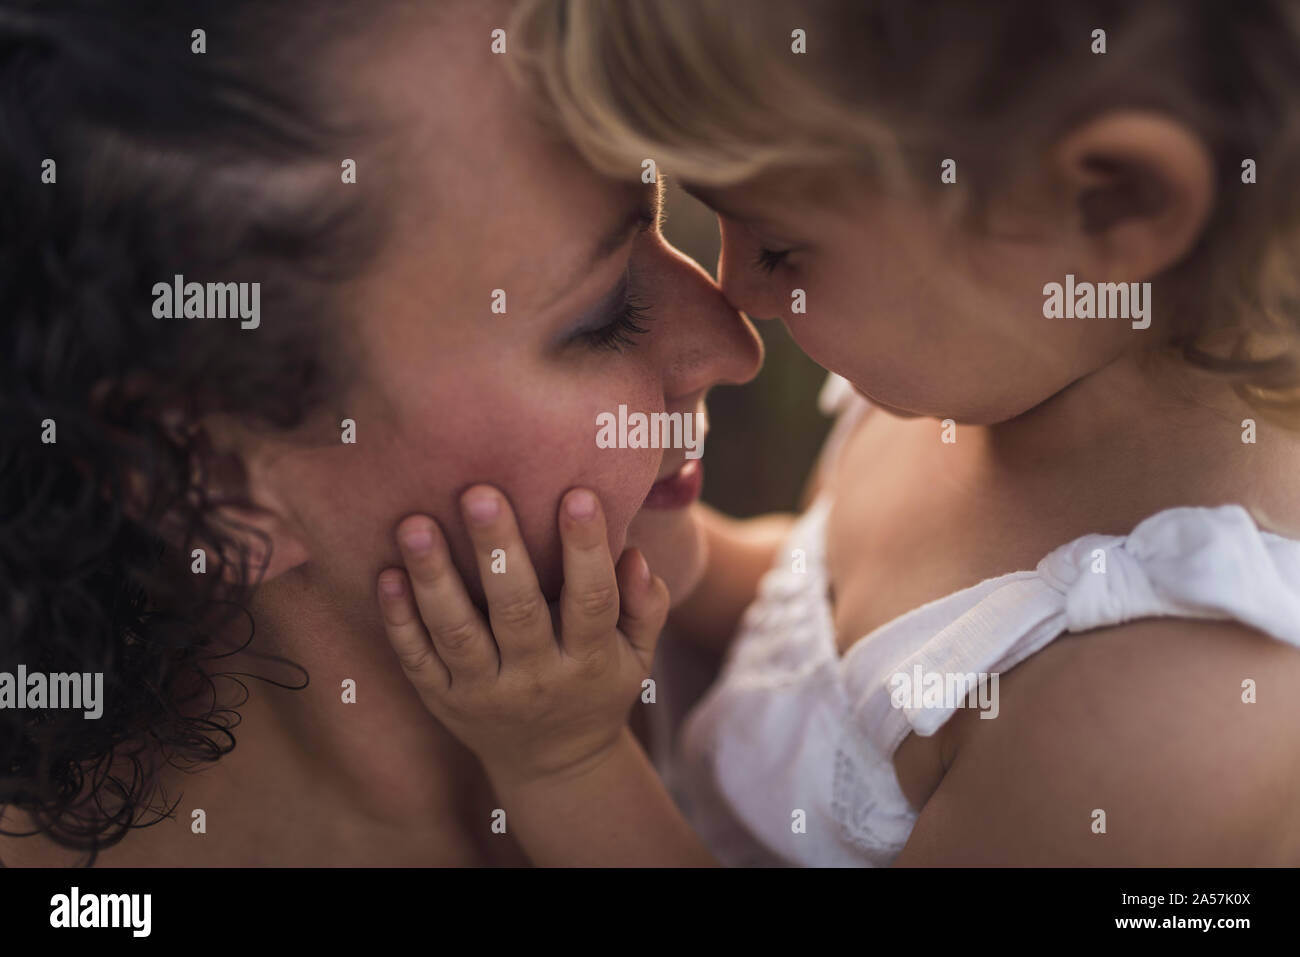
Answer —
627 323
616 322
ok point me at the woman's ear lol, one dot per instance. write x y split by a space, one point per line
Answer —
247 506
265 540
1140 188
257 528
232 467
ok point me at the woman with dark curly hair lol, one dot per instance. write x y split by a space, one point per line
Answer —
194 497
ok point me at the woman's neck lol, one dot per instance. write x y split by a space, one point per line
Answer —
313 780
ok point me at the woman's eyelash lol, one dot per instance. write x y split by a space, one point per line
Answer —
769 259
628 322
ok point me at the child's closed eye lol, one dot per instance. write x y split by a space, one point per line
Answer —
769 259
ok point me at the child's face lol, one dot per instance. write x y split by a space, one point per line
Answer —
921 317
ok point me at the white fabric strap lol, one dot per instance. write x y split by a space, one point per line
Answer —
1206 563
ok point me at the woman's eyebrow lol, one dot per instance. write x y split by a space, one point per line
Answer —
644 214
619 234
639 217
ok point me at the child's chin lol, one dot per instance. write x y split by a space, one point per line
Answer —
673 545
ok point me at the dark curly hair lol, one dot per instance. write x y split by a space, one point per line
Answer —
167 161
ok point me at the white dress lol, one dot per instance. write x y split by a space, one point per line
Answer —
791 726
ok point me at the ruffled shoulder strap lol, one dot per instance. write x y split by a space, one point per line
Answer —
1207 563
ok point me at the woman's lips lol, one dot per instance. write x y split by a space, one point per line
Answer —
679 489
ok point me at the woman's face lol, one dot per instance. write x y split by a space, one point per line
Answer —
593 310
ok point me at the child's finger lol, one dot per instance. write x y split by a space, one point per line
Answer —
521 620
589 602
644 604
406 634
459 634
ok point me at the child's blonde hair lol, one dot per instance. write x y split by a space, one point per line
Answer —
714 92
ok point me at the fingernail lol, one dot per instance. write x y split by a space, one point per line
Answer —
581 505
642 570
391 586
482 507
417 541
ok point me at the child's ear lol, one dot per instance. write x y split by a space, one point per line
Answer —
1140 188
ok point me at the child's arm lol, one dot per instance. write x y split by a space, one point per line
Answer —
612 810
740 551
544 707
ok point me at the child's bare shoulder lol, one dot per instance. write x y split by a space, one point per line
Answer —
1164 741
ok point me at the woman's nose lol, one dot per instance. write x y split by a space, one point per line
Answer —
709 342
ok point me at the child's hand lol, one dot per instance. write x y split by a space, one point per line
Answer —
529 697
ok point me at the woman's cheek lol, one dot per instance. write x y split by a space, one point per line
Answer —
622 482
673 545
620 478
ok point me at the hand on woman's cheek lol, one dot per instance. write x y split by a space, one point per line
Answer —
522 425
673 544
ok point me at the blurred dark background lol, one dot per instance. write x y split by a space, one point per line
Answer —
764 436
